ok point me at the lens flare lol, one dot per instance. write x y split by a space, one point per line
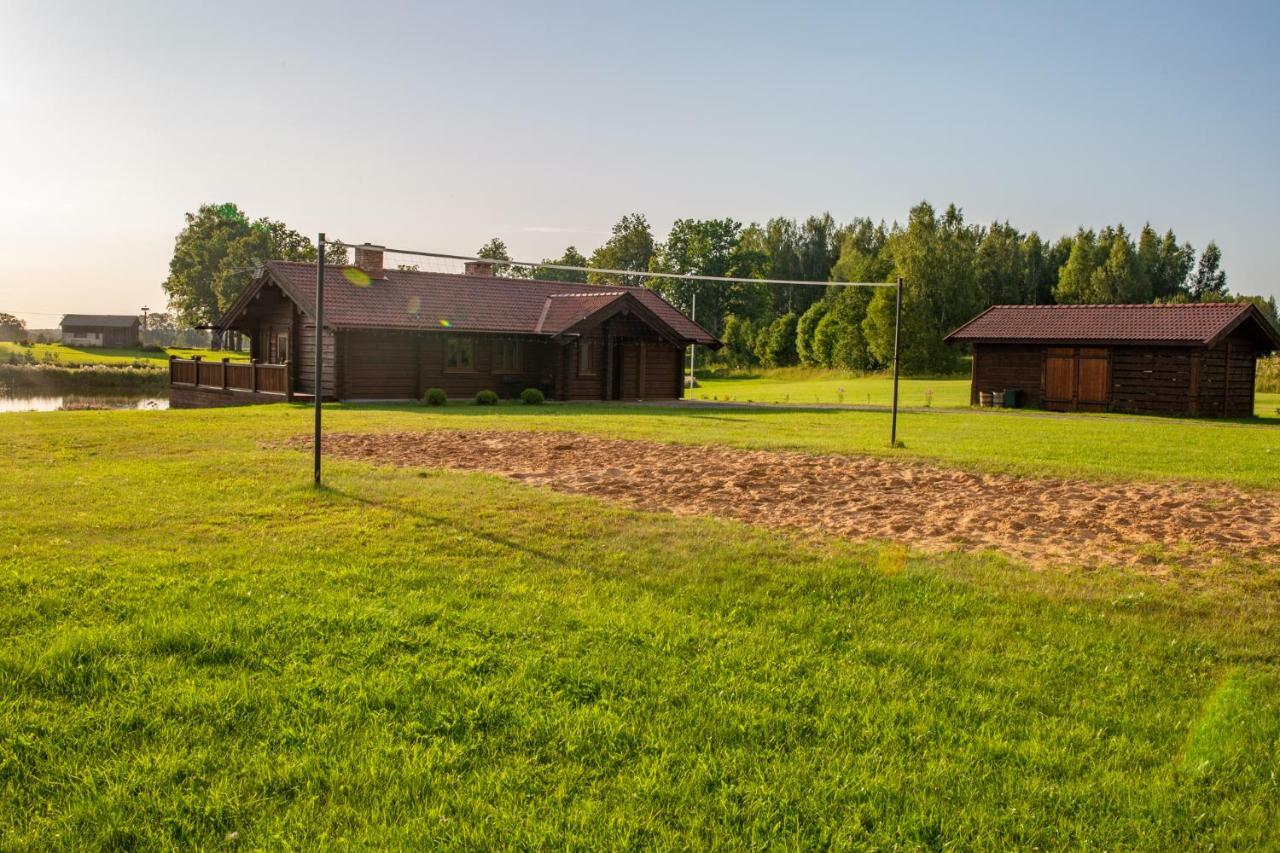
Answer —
444 322
356 276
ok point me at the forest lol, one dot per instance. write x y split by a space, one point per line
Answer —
951 269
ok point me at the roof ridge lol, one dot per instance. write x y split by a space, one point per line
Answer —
1127 305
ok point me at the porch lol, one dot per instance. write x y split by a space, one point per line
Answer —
196 383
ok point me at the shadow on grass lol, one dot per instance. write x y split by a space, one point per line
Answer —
443 523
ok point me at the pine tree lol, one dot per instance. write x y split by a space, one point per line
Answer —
1209 284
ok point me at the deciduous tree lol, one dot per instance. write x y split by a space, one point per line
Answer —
571 258
631 247
216 254
935 258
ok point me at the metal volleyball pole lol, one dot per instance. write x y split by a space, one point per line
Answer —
897 328
319 352
693 348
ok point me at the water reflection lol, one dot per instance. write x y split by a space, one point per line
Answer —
72 402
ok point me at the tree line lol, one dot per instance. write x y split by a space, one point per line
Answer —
952 269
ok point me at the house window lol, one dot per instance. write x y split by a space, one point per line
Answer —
282 347
459 354
506 356
588 358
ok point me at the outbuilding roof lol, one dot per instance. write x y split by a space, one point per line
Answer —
1193 324
113 321
410 299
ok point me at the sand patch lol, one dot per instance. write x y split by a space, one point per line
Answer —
1043 521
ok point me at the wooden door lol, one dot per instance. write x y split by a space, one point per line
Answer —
1077 379
1060 379
1093 391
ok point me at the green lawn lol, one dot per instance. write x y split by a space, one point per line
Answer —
196 649
81 356
802 386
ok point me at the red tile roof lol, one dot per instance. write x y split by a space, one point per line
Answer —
407 299
562 311
1202 324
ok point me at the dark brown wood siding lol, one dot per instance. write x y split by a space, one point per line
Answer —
304 363
379 365
1152 380
1227 376
1161 380
660 379
577 385
536 365
398 365
112 336
998 367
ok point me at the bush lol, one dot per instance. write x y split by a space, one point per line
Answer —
32 376
434 397
486 398
532 396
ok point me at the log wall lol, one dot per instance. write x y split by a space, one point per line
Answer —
305 344
997 367
394 365
1209 382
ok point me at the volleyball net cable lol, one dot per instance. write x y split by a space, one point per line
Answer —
627 274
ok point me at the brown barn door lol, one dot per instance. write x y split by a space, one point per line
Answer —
1060 379
1077 379
1094 388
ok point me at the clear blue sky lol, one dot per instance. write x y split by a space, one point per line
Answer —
441 126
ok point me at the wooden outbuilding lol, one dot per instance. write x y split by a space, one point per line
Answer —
1194 359
391 334
101 330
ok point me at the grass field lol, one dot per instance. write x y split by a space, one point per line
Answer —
803 386
199 649
82 356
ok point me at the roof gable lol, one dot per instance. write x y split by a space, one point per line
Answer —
406 299
1192 324
562 311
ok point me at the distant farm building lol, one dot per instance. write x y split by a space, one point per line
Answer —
101 330
1196 359
391 334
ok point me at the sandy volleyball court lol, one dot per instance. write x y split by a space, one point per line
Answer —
1044 521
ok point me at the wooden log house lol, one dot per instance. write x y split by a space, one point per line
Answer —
392 334
1192 359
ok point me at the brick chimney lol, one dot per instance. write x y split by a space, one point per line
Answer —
369 259
478 268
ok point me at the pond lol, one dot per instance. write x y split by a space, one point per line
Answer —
24 402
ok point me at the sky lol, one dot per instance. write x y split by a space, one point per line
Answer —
438 126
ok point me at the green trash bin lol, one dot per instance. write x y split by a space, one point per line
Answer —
1009 398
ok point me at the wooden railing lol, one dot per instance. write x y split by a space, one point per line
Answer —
229 375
